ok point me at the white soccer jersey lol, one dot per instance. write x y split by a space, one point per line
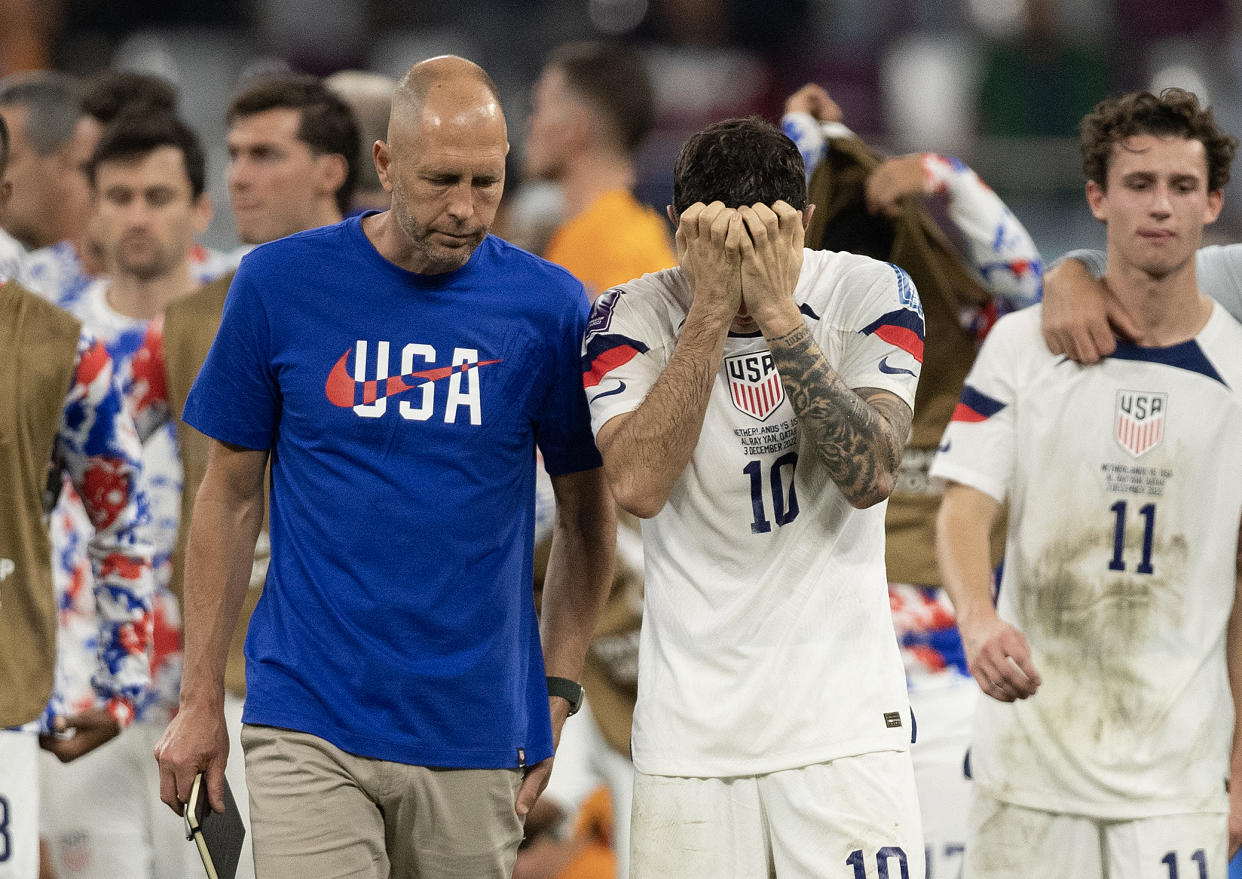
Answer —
140 371
1125 490
767 641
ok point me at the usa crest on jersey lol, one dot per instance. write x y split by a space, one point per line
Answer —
1140 420
754 384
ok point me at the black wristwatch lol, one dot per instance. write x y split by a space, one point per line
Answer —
571 691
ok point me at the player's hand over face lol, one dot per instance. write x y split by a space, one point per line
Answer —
892 180
999 659
196 741
708 244
771 263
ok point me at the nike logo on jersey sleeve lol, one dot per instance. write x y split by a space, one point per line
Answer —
618 389
893 370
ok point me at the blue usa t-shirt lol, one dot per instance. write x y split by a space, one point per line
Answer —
402 413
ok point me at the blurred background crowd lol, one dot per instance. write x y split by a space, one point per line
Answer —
999 83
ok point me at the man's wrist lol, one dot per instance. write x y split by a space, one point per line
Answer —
970 616
780 320
571 691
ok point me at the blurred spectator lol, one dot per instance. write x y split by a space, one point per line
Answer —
593 107
12 254
369 96
928 86
48 149
59 208
1041 83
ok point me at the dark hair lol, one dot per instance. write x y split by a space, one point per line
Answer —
135 134
739 162
4 148
109 95
327 124
51 102
1175 113
613 78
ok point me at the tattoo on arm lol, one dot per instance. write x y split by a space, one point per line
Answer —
859 435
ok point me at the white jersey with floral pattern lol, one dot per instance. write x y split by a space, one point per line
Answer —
136 348
98 450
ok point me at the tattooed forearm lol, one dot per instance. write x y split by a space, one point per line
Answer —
859 435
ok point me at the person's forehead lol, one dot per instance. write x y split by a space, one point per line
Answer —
1142 153
277 125
164 165
454 136
444 158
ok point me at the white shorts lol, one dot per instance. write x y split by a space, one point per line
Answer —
944 716
1012 842
855 812
19 805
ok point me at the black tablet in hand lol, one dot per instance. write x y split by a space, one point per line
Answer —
219 835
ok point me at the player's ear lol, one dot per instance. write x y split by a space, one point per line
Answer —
204 209
381 154
1215 201
332 169
672 215
806 215
1096 195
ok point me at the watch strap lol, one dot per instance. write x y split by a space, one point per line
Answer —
570 691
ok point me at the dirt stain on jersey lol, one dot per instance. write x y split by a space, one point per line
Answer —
1088 623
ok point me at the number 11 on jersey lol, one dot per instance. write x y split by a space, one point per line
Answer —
1148 512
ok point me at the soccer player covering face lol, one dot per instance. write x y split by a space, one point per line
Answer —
752 405
1103 748
419 364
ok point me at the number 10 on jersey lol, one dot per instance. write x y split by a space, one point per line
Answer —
784 501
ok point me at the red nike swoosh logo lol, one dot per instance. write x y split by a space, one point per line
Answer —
342 389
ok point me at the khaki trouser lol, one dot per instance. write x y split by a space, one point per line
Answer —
317 812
